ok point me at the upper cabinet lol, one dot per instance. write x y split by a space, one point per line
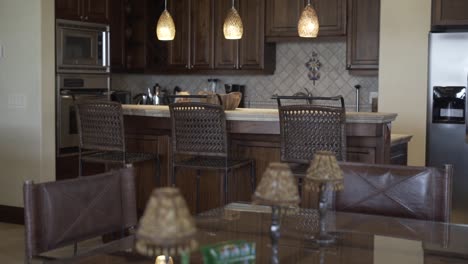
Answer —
250 52
200 47
192 47
446 13
282 17
97 11
363 35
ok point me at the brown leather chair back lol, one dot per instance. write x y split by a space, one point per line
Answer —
400 191
61 213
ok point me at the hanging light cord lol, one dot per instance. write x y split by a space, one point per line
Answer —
235 0
165 4
308 2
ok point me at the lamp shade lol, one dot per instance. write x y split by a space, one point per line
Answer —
165 29
308 25
233 28
166 228
324 169
277 187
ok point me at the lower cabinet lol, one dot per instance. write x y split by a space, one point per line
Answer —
448 13
66 167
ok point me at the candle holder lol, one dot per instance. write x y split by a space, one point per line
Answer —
324 176
166 227
277 189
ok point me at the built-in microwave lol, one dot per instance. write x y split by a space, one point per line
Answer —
82 47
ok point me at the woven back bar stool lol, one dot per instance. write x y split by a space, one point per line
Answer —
102 136
199 130
307 128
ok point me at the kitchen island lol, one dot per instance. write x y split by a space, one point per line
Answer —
254 133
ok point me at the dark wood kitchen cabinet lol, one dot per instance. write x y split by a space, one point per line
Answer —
128 26
97 11
282 17
363 36
192 47
250 52
447 13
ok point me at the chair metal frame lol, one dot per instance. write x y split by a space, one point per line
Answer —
199 130
302 124
102 134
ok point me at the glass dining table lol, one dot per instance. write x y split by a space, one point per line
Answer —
360 238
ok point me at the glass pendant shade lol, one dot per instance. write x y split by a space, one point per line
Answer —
308 25
165 29
233 28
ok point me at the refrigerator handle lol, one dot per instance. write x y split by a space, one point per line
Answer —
466 109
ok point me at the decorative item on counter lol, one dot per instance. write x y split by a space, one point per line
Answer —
229 252
166 227
165 29
236 88
313 66
233 28
324 175
308 25
213 85
278 189
357 87
229 101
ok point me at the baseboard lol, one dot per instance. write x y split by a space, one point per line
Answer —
12 214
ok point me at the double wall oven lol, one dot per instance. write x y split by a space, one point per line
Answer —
83 73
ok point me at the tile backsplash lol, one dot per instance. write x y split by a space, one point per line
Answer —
291 76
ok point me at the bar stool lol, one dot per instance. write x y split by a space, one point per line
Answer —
307 128
102 136
199 130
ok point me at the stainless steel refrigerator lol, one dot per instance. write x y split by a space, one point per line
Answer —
447 121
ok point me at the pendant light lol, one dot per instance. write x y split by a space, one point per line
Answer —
165 29
233 27
308 25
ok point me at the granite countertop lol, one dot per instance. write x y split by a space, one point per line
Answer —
256 114
396 139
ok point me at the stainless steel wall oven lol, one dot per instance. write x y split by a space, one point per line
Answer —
71 88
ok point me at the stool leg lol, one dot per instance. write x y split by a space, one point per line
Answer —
197 208
173 178
75 248
80 167
253 177
226 173
158 172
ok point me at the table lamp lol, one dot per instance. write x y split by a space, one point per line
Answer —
278 189
324 175
166 227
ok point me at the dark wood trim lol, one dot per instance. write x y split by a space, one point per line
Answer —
12 214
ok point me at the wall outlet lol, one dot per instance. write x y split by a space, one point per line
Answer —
373 95
16 101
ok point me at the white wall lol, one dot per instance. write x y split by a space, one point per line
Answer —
404 29
26 76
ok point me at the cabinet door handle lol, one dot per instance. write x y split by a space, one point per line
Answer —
81 17
86 17
187 66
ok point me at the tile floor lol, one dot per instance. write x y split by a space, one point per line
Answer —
12 245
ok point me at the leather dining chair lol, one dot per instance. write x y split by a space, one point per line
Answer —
62 213
423 193
199 131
